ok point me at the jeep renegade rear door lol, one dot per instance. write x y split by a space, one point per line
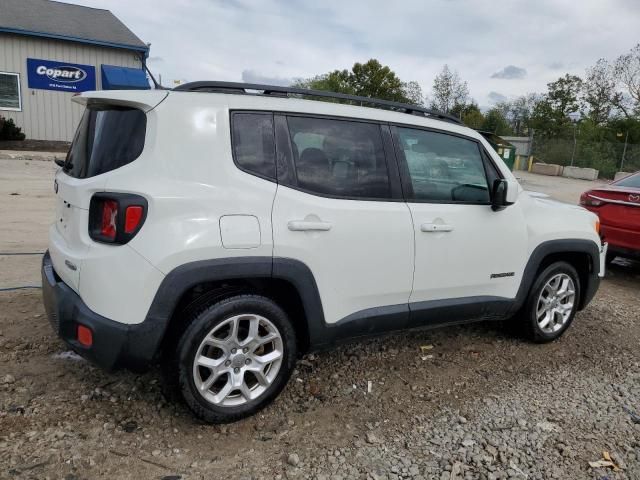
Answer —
336 211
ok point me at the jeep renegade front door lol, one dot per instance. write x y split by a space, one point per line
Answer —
465 251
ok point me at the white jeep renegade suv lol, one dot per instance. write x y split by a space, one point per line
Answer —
223 229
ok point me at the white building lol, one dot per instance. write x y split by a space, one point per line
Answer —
51 50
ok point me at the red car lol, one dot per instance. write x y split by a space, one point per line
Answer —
618 207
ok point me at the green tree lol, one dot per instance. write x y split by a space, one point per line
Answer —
599 92
552 114
470 115
370 79
449 91
495 122
519 111
564 95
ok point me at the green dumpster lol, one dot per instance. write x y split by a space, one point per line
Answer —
506 150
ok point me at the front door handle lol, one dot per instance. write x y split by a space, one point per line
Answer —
306 226
435 227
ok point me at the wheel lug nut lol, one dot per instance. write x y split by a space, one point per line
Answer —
245 350
227 363
247 361
236 370
233 350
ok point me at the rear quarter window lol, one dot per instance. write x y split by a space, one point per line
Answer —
107 138
254 144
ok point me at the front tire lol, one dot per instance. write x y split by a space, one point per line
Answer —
552 303
234 358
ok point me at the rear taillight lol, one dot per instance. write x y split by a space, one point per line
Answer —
589 201
116 217
109 214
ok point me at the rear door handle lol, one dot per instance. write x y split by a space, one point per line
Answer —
306 226
435 227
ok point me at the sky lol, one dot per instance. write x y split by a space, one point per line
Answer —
501 48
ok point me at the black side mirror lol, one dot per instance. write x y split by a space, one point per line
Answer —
499 195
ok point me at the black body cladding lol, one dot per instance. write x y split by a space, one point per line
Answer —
137 346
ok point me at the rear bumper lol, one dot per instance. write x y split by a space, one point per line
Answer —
115 345
621 239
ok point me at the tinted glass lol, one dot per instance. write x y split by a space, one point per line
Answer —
106 139
253 143
444 168
339 158
9 91
632 181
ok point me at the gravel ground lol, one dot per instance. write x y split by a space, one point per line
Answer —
477 403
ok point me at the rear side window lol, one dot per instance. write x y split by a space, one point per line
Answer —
339 158
443 168
632 181
107 138
253 143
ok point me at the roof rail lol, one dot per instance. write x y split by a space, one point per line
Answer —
241 88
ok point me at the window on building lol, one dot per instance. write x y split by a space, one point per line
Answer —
10 91
444 168
339 158
253 143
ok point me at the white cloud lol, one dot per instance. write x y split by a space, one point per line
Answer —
279 40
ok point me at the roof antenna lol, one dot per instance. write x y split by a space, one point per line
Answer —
142 59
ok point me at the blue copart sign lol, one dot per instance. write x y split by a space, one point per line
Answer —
62 76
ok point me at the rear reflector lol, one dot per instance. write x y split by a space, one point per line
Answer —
109 213
85 336
132 219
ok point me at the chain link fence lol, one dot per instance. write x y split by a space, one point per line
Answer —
606 156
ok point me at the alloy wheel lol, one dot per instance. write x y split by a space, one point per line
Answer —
555 303
238 360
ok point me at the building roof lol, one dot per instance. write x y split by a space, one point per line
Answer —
66 21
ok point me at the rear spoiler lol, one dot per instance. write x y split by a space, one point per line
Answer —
145 100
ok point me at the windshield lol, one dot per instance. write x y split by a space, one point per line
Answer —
107 138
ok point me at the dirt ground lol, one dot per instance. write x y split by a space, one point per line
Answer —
477 402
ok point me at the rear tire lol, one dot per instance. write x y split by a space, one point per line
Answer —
234 358
552 303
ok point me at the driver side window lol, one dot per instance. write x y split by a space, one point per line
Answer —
443 168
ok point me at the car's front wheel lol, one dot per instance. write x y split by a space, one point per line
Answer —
234 358
552 303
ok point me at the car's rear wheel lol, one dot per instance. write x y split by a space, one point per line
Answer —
552 303
234 358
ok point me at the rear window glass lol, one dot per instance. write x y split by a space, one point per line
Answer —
632 181
107 138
